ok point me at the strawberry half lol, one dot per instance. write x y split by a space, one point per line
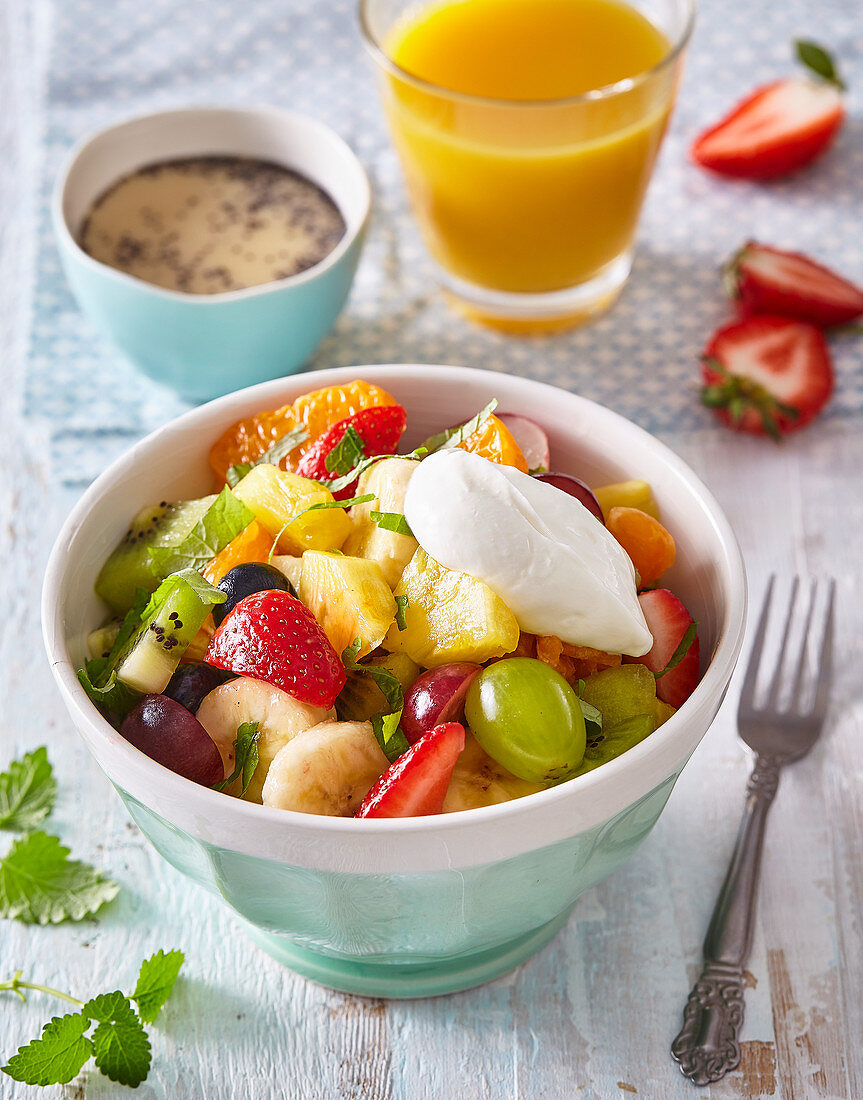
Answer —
778 128
374 431
768 280
668 620
416 784
272 636
768 375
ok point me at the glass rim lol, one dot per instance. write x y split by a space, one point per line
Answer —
606 91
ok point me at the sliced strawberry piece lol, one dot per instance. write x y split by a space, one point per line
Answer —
375 431
769 280
272 636
778 129
767 374
416 784
668 620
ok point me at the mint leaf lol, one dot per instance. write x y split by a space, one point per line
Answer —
57 1056
226 517
235 474
402 604
245 757
681 651
819 61
366 464
120 1044
451 437
113 697
155 982
386 725
322 504
347 453
592 716
27 791
392 521
39 884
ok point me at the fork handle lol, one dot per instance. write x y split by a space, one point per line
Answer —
707 1046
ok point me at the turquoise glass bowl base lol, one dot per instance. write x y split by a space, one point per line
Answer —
406 935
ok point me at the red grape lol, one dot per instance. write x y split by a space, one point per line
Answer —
531 439
435 697
169 734
569 484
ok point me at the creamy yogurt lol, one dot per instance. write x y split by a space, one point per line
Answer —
548 558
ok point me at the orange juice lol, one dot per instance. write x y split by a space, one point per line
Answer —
518 186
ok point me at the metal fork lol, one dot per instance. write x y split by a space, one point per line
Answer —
707 1046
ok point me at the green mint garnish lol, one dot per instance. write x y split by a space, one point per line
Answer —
386 725
226 518
27 791
347 453
245 757
392 521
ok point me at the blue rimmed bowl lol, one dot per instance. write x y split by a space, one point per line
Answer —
414 907
203 346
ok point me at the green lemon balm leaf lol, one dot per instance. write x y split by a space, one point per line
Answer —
236 473
392 521
155 983
39 884
681 651
226 517
347 453
282 447
245 757
386 725
451 437
402 604
57 1056
120 1044
27 791
591 714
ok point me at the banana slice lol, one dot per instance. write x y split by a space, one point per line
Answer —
280 717
478 780
328 769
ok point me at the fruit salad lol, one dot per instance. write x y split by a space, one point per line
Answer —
347 630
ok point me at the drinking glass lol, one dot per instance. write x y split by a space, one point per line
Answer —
529 208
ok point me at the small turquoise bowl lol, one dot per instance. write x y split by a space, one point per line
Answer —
405 907
203 346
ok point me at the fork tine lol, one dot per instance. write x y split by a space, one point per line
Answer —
773 691
825 657
747 692
797 689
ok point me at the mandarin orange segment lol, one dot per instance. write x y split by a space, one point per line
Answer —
254 543
248 439
493 440
648 544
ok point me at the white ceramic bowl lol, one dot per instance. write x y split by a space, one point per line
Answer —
204 345
422 905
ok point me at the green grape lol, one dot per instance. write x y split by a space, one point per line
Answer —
616 740
528 718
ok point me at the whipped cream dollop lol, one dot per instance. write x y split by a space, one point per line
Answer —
549 559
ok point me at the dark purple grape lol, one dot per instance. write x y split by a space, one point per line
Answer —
192 681
436 696
569 484
244 580
166 732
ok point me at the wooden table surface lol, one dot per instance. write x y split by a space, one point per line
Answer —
591 1016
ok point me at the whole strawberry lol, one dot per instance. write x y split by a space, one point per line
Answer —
273 637
374 431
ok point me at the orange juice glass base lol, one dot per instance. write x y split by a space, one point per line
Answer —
527 132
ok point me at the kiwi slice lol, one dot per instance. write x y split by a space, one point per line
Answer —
129 567
173 617
100 641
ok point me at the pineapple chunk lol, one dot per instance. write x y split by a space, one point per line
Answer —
292 568
388 480
450 616
627 494
349 597
275 496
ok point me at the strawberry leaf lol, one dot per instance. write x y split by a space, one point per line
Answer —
155 983
818 61
56 1056
27 791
